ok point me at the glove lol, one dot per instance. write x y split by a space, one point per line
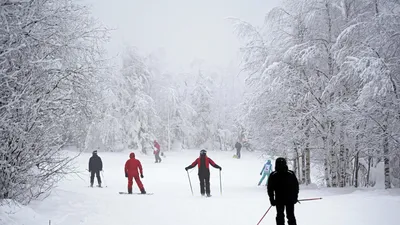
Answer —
220 168
272 201
186 168
260 173
126 174
141 176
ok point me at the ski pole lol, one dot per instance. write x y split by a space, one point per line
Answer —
190 182
104 180
309 199
264 215
220 182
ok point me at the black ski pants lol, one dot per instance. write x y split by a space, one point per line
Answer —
238 153
204 183
92 173
280 215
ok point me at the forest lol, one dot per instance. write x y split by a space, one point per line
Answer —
318 83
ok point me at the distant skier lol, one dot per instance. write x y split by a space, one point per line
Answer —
132 166
266 170
157 151
238 147
203 163
283 190
95 166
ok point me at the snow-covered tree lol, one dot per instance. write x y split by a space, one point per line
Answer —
129 119
49 51
323 86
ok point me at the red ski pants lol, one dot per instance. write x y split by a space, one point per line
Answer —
138 182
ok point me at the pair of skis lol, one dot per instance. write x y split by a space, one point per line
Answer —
136 193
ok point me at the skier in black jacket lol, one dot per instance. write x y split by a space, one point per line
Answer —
95 166
283 190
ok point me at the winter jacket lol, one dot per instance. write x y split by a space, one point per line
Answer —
157 146
95 163
283 186
267 168
238 146
203 163
132 166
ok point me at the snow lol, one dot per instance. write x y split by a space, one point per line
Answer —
242 201
13 213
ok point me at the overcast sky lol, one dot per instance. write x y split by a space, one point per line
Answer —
185 29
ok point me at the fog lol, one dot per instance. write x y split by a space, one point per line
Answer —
183 30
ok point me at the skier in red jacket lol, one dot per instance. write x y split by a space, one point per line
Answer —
157 151
132 166
203 163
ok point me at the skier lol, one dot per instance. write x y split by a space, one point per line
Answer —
238 147
266 170
132 166
95 166
203 163
157 151
283 190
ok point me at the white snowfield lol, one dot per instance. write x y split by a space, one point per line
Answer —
242 201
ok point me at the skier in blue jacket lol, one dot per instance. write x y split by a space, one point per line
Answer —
266 170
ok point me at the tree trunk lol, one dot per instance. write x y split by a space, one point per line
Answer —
295 160
298 163
303 168
298 167
326 168
348 169
386 153
369 170
308 167
356 167
342 160
376 6
333 158
307 155
386 161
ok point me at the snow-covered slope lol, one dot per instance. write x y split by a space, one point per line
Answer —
242 201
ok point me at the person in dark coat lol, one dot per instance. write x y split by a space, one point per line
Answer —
95 166
203 163
238 147
283 191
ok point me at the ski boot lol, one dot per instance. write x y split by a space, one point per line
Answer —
129 190
208 195
142 191
91 185
99 185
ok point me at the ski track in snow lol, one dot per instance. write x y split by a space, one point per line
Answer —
242 202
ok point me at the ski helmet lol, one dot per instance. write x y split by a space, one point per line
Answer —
203 152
